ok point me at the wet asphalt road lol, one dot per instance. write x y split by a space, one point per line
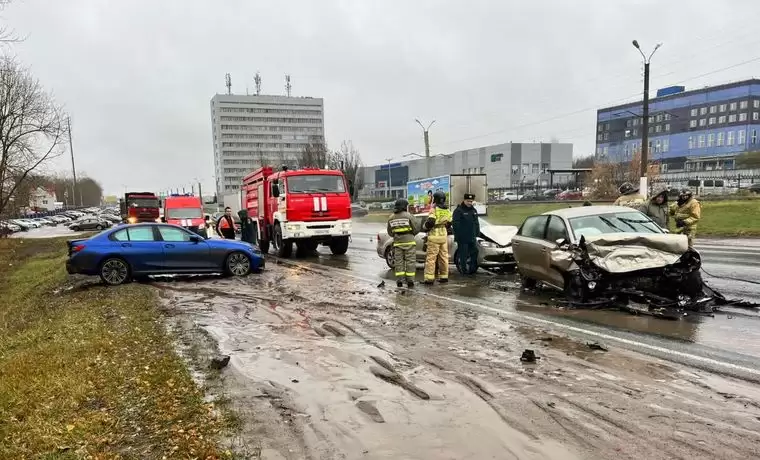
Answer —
727 343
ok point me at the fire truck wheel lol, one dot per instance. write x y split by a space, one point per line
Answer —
339 245
283 247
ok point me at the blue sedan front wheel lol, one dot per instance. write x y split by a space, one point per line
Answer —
114 271
238 264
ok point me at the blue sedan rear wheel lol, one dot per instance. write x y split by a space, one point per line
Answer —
238 264
114 271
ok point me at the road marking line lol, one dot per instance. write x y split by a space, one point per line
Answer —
555 324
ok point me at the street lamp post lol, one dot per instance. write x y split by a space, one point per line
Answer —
427 144
643 186
389 175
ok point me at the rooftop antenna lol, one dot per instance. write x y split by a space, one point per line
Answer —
228 83
257 81
287 85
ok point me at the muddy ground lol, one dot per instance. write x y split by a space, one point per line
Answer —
323 367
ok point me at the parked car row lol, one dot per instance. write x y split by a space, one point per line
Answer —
80 220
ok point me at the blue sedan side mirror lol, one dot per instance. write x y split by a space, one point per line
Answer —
195 239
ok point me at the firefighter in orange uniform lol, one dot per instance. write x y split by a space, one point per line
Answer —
437 226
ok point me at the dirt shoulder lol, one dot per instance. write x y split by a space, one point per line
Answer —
88 371
324 369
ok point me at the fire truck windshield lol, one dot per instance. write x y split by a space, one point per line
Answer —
316 183
143 202
184 213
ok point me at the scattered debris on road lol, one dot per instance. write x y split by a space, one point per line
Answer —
597 346
219 362
529 356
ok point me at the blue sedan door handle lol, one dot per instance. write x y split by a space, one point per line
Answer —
168 245
126 245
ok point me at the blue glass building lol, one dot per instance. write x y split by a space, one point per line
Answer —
689 131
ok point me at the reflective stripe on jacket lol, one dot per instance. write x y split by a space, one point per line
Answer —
402 228
441 218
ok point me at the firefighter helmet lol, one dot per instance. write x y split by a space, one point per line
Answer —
685 194
439 198
401 205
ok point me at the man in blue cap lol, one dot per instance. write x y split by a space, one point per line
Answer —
466 231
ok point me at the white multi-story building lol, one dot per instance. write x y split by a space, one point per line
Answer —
251 131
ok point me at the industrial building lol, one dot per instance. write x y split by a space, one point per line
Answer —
694 132
249 131
507 165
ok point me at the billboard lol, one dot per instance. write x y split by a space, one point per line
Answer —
420 192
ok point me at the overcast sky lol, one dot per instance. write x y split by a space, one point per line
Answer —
136 76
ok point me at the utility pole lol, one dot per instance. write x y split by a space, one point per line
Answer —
200 193
643 186
427 144
389 175
73 168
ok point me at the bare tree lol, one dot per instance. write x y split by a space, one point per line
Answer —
32 128
314 155
7 35
349 160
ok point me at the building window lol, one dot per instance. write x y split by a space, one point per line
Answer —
658 128
657 146
703 111
732 118
665 145
496 157
741 137
667 127
693 112
635 132
635 122
756 104
710 140
606 126
743 104
722 119
606 136
651 119
544 168
713 108
703 122
534 168
627 133
711 121
732 106
753 139
605 151
628 123
720 139
598 150
691 142
755 116
600 128
658 118
722 107
526 168
667 116
730 138
743 116
693 124
701 141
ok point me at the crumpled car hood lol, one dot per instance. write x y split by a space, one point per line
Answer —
499 234
629 252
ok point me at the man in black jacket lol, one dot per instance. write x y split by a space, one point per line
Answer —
225 226
466 231
247 228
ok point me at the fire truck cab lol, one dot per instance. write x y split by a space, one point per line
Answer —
307 207
139 207
185 211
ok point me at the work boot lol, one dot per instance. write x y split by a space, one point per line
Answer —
429 282
399 283
443 280
410 284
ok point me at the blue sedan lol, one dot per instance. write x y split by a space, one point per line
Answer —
118 254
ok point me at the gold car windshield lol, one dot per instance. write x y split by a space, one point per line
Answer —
622 222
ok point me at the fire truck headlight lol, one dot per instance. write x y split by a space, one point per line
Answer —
292 227
346 225
132 220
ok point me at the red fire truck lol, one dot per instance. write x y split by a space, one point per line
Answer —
139 207
306 206
185 211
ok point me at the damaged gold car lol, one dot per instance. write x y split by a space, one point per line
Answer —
603 256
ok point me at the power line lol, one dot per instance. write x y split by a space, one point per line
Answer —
595 107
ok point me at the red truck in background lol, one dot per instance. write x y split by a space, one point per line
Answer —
307 207
139 207
185 211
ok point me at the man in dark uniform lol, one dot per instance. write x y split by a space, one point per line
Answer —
225 226
466 231
247 228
